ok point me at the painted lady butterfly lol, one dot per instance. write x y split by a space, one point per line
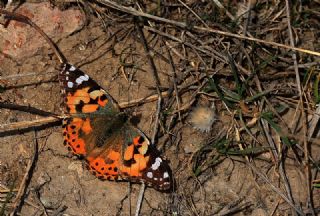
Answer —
104 137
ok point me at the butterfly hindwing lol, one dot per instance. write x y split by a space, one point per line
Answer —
72 127
116 150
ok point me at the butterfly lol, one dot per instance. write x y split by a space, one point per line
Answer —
101 134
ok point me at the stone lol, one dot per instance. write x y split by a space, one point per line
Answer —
20 41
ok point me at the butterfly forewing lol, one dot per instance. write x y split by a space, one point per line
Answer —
82 94
142 159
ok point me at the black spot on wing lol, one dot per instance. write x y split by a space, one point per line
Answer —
135 150
79 106
141 140
103 97
93 101
93 88
129 163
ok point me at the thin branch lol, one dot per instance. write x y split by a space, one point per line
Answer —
26 179
140 199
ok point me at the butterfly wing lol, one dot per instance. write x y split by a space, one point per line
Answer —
138 161
82 97
142 161
82 94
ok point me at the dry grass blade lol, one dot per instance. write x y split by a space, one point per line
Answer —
234 209
155 78
140 199
204 29
301 107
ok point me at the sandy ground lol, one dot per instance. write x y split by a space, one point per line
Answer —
60 181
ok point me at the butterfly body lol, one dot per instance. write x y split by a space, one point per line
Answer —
98 132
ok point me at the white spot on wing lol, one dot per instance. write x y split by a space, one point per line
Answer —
156 164
165 175
79 80
85 77
149 175
72 68
70 84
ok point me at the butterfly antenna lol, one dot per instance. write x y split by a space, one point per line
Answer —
26 20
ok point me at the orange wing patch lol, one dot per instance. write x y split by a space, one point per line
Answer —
128 153
71 129
105 168
80 96
112 165
84 101
136 168
98 95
